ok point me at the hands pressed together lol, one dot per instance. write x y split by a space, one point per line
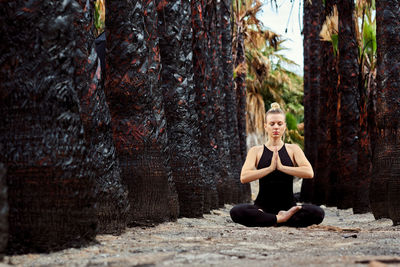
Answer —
276 163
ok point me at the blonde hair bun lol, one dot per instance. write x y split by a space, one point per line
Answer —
275 106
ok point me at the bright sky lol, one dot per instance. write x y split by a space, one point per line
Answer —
282 19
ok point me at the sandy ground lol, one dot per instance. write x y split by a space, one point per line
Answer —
343 239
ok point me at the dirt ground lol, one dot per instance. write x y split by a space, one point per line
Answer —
343 239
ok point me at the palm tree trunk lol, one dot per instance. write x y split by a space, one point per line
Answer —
230 100
312 69
348 107
225 182
177 85
41 130
240 89
208 157
3 209
135 101
112 197
385 184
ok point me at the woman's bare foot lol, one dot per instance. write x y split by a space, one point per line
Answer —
284 215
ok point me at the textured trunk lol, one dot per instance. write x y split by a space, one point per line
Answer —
322 166
225 181
208 157
51 188
240 90
313 14
348 108
112 199
3 210
231 125
332 138
364 166
174 29
385 184
135 101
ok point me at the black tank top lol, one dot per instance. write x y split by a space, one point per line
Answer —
276 188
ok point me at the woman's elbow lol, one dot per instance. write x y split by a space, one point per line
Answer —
310 174
243 179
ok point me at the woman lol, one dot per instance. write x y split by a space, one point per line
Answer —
274 165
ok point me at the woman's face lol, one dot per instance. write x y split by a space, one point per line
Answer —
275 125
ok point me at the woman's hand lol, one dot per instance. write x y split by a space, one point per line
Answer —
278 162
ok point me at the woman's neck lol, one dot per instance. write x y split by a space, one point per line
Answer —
274 142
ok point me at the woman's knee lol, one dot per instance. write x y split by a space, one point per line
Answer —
237 212
316 212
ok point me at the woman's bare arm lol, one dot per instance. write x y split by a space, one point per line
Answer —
303 168
249 172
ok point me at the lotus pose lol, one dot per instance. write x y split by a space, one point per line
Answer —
274 164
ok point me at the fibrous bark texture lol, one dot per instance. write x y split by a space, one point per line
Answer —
177 85
51 189
385 184
313 14
3 210
227 190
135 102
112 199
348 108
208 158
231 124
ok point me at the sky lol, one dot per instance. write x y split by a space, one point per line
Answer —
281 19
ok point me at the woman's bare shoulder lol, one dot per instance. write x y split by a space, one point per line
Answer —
256 149
293 147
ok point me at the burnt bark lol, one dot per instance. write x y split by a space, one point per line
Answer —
225 182
313 16
348 105
177 85
208 158
3 210
236 124
138 119
385 189
51 189
112 199
231 107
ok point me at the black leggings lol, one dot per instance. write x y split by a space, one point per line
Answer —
250 215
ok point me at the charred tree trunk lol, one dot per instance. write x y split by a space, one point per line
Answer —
137 112
112 196
364 166
231 127
51 189
322 165
312 70
385 184
332 137
327 143
174 29
225 182
3 210
208 157
240 91
348 107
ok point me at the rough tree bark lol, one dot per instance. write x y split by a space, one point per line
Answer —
225 182
348 105
313 17
137 111
231 127
240 90
385 184
51 189
177 85
112 199
201 70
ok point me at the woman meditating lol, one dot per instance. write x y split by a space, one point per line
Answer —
274 165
